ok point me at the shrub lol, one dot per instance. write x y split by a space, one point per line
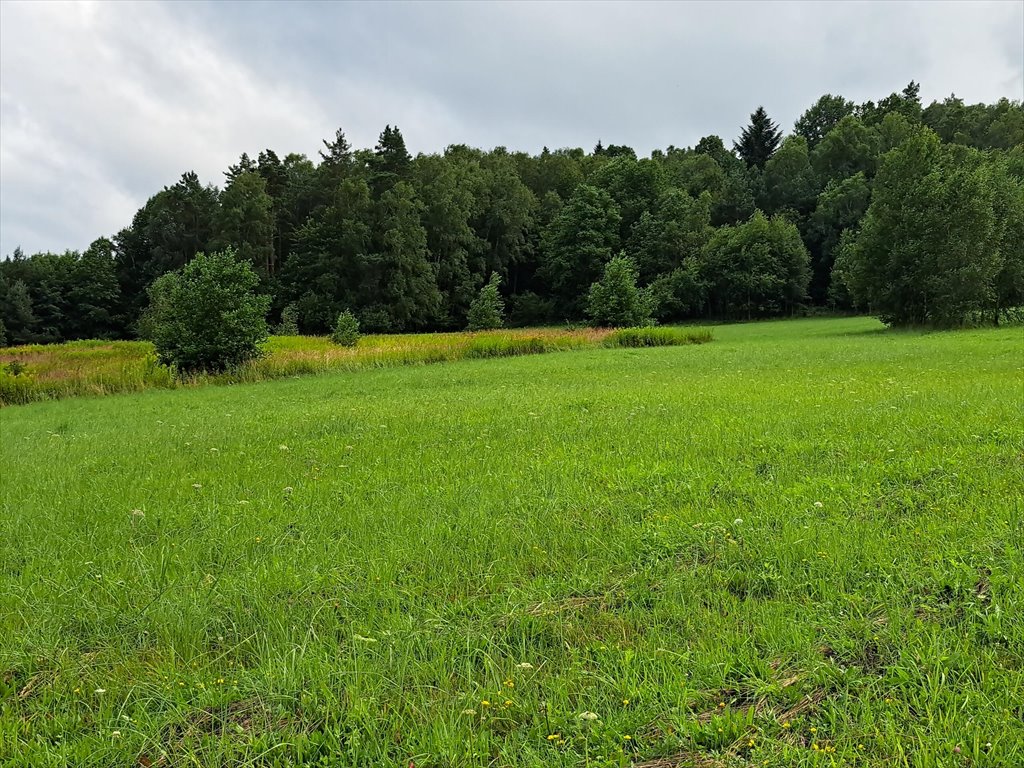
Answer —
657 337
206 316
346 330
289 325
511 346
615 300
487 310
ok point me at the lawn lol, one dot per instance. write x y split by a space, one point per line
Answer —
799 545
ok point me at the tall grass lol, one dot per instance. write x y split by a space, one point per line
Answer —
44 372
664 336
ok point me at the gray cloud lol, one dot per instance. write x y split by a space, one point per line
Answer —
102 104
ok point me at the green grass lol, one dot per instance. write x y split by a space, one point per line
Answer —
808 533
657 337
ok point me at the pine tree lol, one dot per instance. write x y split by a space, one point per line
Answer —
391 160
758 140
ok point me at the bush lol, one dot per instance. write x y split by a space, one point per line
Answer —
616 300
657 337
487 310
207 316
346 330
289 325
527 309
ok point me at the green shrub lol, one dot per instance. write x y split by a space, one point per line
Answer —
346 330
207 316
289 325
487 310
506 346
657 337
615 300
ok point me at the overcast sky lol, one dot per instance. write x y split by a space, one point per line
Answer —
103 104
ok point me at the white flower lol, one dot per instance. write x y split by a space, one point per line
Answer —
525 665
818 505
115 734
738 521
138 513
588 716
283 447
469 711
101 690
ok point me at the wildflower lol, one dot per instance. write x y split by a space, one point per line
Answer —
485 703
77 690
510 684
283 447
525 665
721 704
625 702
750 743
138 513
818 505
786 724
815 747
554 736
588 716
738 521
101 691
288 489
115 734
508 703
627 737
469 711
197 486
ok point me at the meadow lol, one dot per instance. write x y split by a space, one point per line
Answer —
799 545
52 371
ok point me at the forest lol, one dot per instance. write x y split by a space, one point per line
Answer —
912 213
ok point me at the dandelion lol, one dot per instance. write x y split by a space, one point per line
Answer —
813 729
554 736
627 737
786 724
485 703
625 702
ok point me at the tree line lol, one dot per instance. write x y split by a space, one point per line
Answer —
912 212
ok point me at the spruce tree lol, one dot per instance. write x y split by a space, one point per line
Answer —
758 140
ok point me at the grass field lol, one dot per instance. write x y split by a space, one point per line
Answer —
800 545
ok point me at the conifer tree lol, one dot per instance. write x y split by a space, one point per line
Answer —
759 140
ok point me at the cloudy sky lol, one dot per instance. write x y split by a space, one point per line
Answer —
103 103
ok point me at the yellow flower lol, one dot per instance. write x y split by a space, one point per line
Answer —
554 736
786 724
813 729
625 702
627 737
485 703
